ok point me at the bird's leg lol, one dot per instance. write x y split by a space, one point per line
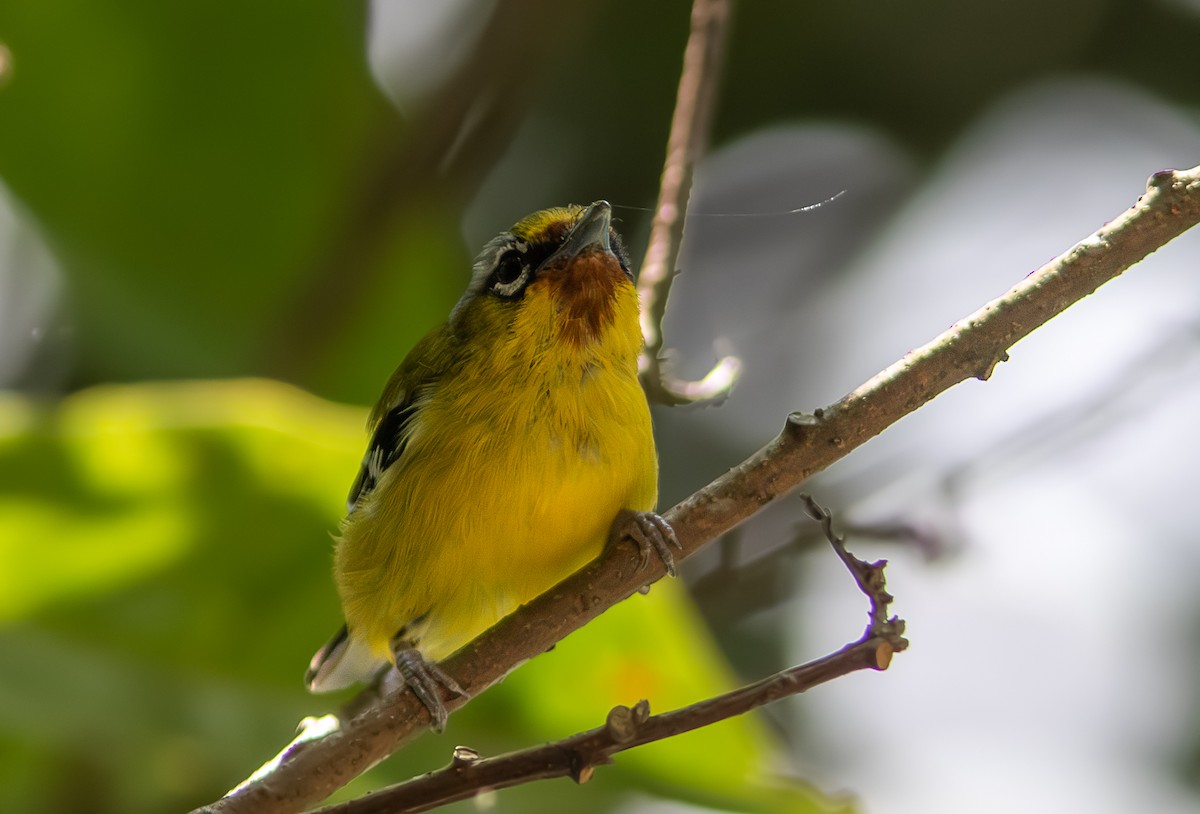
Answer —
426 680
649 532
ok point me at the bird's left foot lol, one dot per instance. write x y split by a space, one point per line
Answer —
649 532
427 681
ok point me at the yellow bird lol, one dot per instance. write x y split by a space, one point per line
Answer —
510 446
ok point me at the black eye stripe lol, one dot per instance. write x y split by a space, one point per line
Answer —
539 253
515 265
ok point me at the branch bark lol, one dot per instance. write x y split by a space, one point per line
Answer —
308 772
627 727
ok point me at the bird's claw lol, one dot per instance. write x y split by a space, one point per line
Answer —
649 532
427 680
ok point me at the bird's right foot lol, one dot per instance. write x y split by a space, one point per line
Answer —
427 681
650 533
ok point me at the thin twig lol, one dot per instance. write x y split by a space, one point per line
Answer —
735 589
686 144
577 756
868 575
808 443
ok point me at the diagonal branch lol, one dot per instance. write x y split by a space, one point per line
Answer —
577 756
308 772
686 144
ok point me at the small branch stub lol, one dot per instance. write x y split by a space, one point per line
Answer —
883 655
463 757
583 774
623 721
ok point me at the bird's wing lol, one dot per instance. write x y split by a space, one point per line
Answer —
392 417
386 446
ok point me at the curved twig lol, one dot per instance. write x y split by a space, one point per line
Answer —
690 126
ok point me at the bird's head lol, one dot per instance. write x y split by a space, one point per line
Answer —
559 276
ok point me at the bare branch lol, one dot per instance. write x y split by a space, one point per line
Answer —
577 756
808 443
686 144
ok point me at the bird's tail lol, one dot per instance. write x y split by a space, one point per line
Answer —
342 662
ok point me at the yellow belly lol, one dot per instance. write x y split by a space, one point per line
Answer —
498 496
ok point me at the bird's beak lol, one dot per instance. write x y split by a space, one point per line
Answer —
590 231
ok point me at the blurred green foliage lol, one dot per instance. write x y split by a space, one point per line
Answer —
182 172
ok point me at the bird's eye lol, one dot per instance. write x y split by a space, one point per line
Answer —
509 269
510 275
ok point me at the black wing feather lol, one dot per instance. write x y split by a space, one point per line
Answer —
387 445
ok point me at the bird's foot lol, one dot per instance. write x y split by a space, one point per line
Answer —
427 681
650 533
